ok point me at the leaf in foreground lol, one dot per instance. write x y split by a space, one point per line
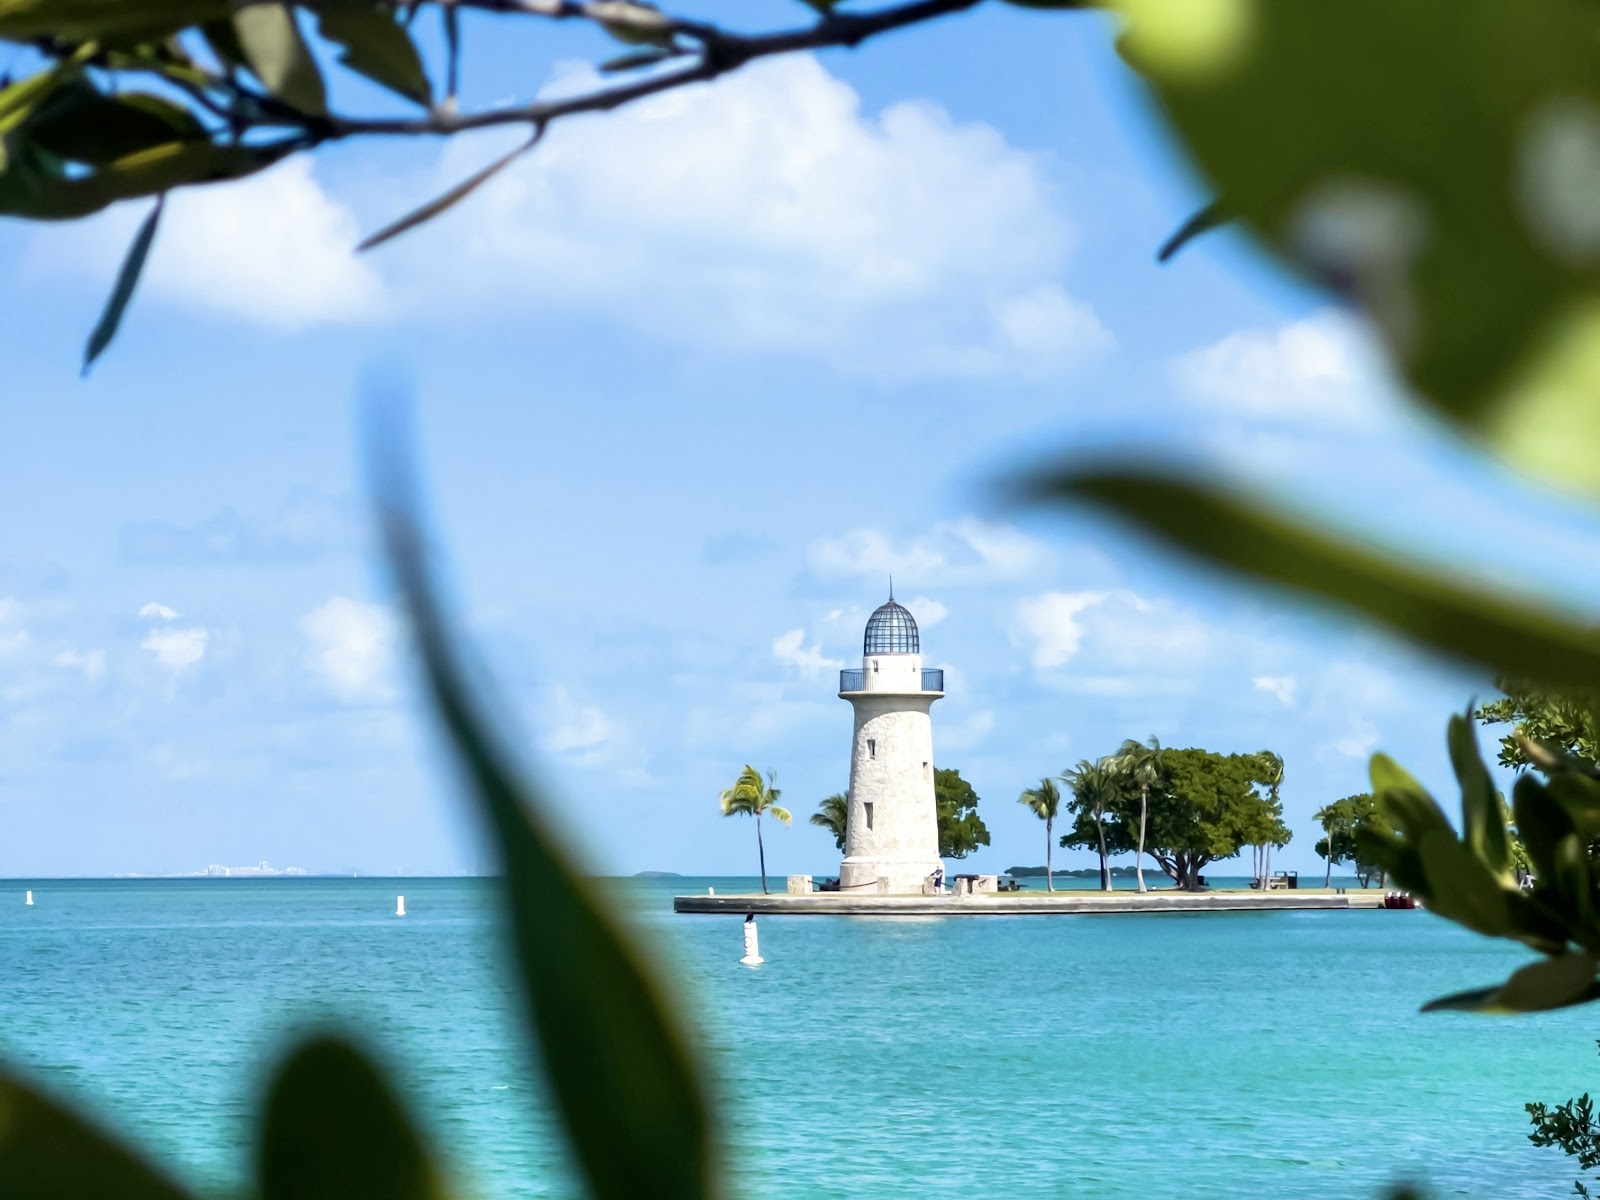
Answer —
127 279
49 1153
1248 536
616 1053
334 1129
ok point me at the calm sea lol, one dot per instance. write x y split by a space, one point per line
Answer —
1277 1055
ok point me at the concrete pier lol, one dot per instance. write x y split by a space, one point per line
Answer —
1024 903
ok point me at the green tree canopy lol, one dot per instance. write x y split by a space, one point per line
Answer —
1566 721
833 815
1099 798
1339 822
1205 807
961 829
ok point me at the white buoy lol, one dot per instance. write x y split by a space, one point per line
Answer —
752 947
399 906
29 901
711 891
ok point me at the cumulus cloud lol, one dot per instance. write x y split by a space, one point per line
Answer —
273 249
777 216
177 649
790 649
961 552
1318 371
573 728
1359 741
928 611
154 611
350 646
1280 686
1053 624
91 662
1136 642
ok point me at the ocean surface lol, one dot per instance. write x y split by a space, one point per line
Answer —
1277 1055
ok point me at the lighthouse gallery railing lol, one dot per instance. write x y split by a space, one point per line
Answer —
854 679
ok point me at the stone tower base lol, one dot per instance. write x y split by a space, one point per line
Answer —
904 878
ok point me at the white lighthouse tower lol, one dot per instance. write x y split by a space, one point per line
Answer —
891 840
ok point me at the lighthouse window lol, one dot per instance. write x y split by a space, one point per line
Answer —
874 666
868 809
924 770
872 748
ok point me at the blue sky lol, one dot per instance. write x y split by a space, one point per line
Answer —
693 380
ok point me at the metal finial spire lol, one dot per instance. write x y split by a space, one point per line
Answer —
891 587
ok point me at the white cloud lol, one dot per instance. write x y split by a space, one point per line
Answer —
1052 624
273 249
1317 371
573 728
1281 686
1360 741
928 611
158 612
351 646
91 662
960 552
1155 640
790 649
177 649
768 212
968 733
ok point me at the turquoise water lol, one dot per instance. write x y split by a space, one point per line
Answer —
1272 1054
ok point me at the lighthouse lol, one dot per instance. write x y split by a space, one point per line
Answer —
891 838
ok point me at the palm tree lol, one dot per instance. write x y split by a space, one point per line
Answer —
833 815
1094 790
1328 817
1141 762
1044 802
751 795
1270 774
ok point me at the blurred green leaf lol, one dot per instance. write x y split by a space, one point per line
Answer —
47 1152
44 192
1557 982
377 46
1461 887
224 42
633 23
81 124
1208 218
1541 823
1462 619
451 198
127 278
335 1130
619 1062
1483 822
269 35
104 21
1435 160
635 60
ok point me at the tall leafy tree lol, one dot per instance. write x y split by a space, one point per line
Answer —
1044 801
833 814
1096 797
1339 821
1273 832
1141 762
1203 807
753 796
961 829
1565 721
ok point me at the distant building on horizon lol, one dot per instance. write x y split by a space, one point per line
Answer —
260 870
891 825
